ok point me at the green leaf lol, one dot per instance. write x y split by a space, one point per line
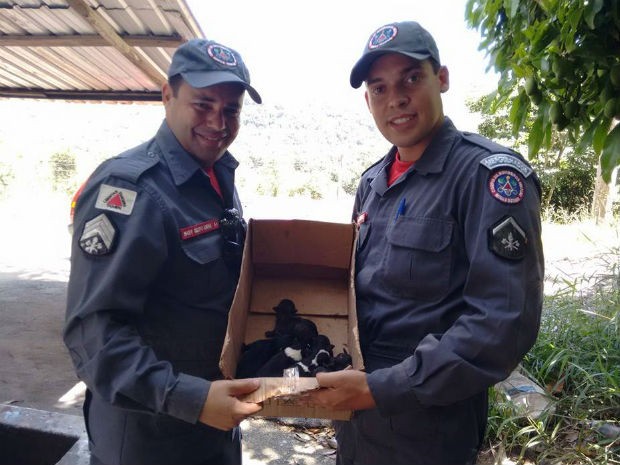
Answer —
512 7
534 141
600 134
518 112
592 9
610 158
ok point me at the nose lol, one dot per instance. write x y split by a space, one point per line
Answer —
216 120
398 98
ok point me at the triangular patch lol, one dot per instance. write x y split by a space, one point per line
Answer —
116 199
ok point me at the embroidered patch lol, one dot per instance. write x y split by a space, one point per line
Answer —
506 186
507 239
382 36
503 160
116 199
222 55
98 236
199 229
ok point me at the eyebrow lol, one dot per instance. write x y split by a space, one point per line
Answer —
413 67
205 99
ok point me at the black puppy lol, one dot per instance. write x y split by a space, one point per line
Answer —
256 354
285 316
305 332
339 362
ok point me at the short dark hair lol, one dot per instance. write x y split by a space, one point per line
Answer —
175 83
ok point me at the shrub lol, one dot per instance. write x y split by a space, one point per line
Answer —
63 170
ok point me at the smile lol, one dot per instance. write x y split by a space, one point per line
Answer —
403 119
213 137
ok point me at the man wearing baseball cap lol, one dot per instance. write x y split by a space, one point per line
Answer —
156 251
449 268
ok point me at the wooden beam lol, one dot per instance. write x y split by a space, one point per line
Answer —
91 40
108 33
81 95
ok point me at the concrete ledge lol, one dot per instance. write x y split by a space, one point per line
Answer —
37 437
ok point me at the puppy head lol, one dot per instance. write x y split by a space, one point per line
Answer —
285 307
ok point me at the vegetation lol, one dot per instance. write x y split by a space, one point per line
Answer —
63 168
566 172
577 359
560 60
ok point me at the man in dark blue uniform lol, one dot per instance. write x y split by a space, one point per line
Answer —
449 269
154 266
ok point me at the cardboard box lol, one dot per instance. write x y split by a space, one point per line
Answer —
311 263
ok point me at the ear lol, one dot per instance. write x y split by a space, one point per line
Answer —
444 79
166 93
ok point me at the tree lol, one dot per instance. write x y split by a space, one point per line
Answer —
560 60
565 171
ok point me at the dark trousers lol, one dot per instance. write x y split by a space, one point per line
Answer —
230 456
450 435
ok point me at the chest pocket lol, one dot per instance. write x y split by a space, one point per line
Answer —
204 249
418 260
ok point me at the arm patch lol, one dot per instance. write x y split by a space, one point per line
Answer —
507 239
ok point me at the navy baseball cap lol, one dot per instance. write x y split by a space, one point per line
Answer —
205 63
407 38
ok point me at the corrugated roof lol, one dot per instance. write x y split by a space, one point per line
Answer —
90 49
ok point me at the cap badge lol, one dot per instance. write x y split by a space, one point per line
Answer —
382 36
222 55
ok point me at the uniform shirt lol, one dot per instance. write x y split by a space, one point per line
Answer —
449 271
149 292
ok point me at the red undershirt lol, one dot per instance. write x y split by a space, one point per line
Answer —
214 182
398 168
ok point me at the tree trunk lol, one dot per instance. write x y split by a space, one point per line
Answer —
599 200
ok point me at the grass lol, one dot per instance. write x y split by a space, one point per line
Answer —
577 360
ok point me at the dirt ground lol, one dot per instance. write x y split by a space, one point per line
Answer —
35 370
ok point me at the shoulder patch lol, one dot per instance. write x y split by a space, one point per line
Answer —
98 236
116 199
504 160
506 186
507 239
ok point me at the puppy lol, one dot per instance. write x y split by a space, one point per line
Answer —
285 316
340 362
284 359
320 354
256 354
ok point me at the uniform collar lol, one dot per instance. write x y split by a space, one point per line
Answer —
432 160
434 157
181 164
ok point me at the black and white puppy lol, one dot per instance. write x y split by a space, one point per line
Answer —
284 359
320 354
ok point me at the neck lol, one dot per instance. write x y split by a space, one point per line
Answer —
414 153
